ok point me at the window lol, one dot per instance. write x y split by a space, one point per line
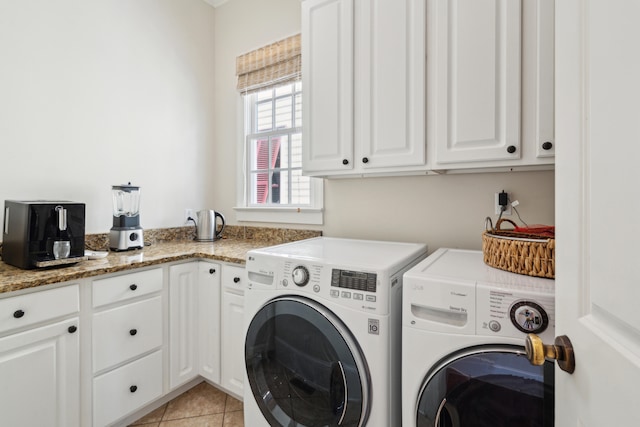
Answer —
274 189
274 148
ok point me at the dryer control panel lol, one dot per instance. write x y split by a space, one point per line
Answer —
453 291
513 312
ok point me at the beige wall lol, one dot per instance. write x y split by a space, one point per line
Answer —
102 92
109 91
438 210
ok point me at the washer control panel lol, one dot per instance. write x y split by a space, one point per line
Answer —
356 280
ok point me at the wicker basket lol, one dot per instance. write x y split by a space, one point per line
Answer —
518 252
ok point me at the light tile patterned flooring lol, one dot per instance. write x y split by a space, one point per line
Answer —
201 406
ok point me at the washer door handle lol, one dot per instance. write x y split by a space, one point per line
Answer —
440 408
338 398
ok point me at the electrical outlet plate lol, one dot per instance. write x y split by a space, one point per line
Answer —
188 213
497 206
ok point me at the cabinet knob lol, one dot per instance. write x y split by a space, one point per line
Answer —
133 287
132 332
365 160
236 279
18 314
133 388
72 329
345 161
212 270
547 145
511 149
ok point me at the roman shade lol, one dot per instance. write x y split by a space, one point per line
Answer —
269 66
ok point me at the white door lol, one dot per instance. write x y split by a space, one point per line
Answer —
598 210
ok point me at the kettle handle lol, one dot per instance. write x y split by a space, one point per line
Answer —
219 234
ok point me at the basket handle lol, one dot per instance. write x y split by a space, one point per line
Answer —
501 220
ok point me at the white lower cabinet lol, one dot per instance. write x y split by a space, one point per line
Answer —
127 341
124 332
209 319
183 323
125 347
40 376
232 334
39 359
126 389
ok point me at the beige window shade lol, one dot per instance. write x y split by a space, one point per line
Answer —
269 66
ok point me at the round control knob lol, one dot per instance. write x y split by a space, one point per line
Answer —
300 275
133 237
527 317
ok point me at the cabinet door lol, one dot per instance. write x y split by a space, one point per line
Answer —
327 86
39 371
232 375
183 326
544 79
390 82
477 80
209 320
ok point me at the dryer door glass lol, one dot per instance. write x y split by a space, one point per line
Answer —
488 388
304 367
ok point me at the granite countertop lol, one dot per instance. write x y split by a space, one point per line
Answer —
232 249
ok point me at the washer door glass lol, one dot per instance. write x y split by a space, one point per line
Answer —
304 367
488 388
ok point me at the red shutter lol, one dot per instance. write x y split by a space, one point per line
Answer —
262 163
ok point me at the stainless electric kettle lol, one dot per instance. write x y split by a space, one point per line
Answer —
206 225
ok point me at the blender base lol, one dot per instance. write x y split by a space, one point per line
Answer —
124 239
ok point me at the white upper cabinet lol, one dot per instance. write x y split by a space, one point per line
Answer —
490 83
327 85
363 66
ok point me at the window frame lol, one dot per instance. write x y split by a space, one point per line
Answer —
245 211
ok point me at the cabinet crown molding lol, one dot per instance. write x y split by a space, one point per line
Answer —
216 3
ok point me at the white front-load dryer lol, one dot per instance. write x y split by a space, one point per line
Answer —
322 333
463 359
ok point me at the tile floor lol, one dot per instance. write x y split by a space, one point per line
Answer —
201 406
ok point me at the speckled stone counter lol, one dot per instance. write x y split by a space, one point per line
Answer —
231 249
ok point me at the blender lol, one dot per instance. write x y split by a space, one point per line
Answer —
126 232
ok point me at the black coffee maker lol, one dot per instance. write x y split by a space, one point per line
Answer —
43 233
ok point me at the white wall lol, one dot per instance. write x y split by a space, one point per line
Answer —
438 210
102 92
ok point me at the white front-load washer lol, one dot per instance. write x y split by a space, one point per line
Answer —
464 326
322 332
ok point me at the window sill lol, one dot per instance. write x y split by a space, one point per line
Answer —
282 215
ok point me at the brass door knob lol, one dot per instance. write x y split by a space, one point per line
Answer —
561 351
